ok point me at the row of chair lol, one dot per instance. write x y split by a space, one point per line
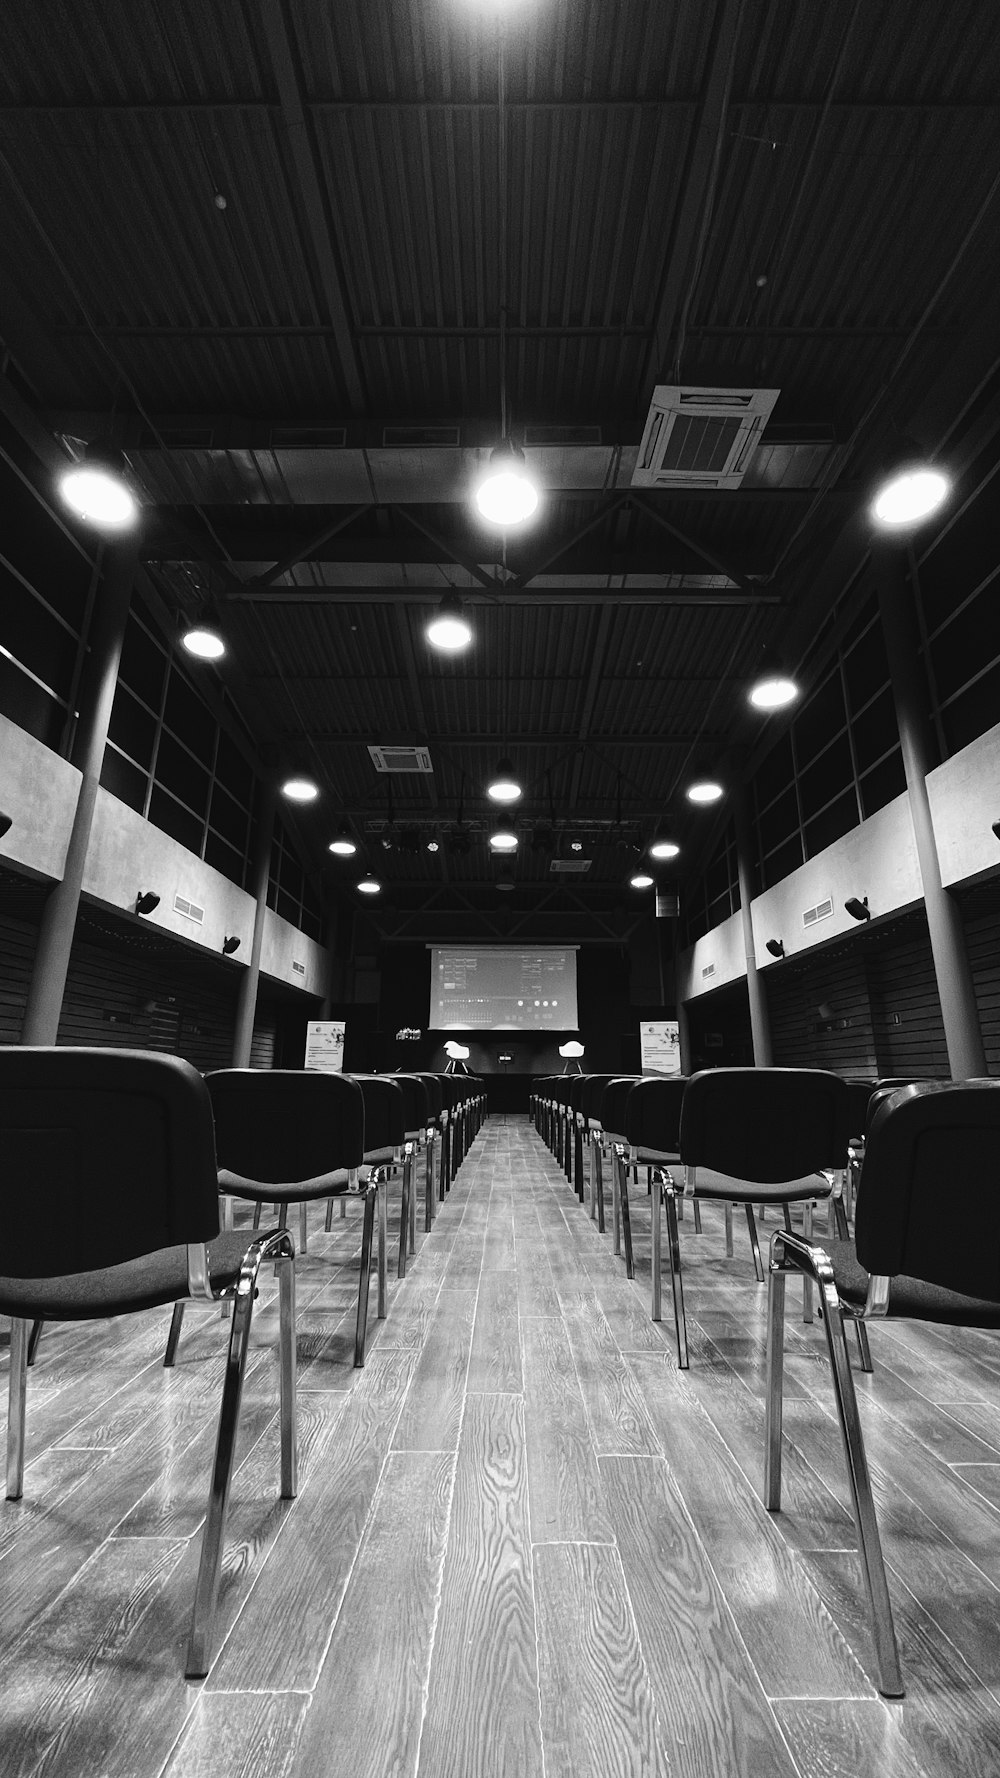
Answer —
927 1231
131 1155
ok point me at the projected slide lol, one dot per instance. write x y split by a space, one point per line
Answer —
502 988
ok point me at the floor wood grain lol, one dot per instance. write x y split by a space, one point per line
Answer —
523 1541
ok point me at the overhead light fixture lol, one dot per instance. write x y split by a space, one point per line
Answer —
204 643
707 791
146 901
96 489
229 945
503 839
910 490
775 946
858 910
663 846
370 885
343 845
6 823
300 790
449 630
504 787
505 878
433 845
506 495
773 691
641 880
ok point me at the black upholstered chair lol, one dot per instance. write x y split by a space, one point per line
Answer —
416 1112
759 1136
590 1120
289 1136
614 1141
435 1101
926 1248
118 1146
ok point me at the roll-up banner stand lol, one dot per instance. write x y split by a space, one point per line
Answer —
660 1046
325 1045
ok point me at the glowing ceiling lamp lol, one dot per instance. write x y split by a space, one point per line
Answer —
503 839
506 495
910 490
97 491
707 791
370 885
300 790
504 788
449 629
343 846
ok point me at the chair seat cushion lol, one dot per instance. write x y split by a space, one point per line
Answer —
909 1298
709 1184
658 1157
285 1191
144 1283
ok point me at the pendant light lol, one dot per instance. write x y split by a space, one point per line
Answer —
97 490
909 490
506 495
449 629
504 787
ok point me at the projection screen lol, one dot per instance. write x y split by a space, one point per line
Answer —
503 988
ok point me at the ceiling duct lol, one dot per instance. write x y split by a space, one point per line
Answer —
401 759
701 438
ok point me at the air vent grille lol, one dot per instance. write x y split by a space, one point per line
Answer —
701 437
299 968
562 435
708 970
406 437
189 909
401 759
821 911
569 867
308 438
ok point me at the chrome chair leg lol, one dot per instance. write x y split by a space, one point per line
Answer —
657 1194
807 1235
207 1588
429 1189
890 1680
404 1215
303 1226
775 1364
676 1281
599 1186
864 1350
286 1378
411 1221
616 1213
626 1223
16 1402
258 1207
383 1189
33 1339
363 1282
697 1217
173 1336
787 1214
754 1244
329 1215
729 1230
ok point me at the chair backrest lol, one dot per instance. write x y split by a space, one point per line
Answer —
928 1203
432 1087
578 1083
613 1102
108 1154
415 1102
385 1112
653 1114
765 1124
593 1093
278 1125
859 1094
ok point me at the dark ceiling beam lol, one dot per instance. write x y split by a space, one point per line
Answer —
303 551
598 655
560 596
696 186
720 563
223 330
566 543
223 102
492 738
299 136
450 552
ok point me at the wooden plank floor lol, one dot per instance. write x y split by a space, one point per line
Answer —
524 1542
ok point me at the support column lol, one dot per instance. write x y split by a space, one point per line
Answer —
330 945
246 1005
963 1035
100 680
760 1028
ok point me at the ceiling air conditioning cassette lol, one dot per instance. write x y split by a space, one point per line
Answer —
701 438
401 759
